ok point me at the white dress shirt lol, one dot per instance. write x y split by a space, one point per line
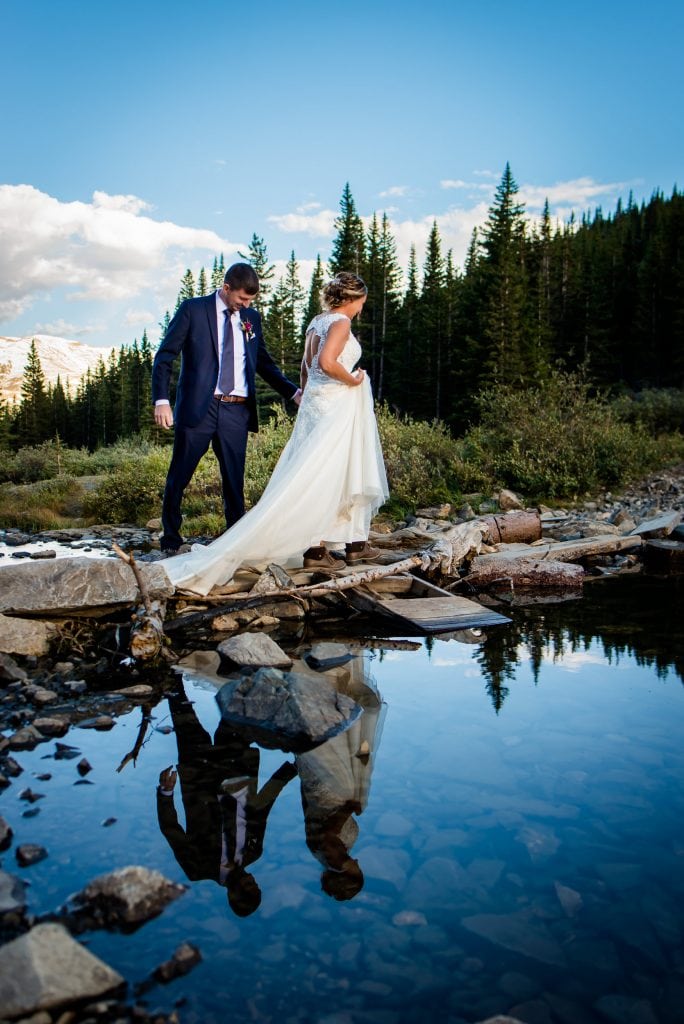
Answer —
239 376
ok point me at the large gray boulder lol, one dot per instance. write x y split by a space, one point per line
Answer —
24 636
128 897
299 710
71 583
12 895
46 968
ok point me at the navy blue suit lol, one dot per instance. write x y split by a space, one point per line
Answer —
200 420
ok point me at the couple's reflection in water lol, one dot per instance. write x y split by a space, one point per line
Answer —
226 812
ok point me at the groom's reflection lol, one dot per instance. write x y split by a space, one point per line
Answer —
335 780
225 812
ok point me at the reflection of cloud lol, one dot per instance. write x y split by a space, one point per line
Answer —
102 250
575 661
462 656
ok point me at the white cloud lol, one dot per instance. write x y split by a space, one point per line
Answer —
460 183
579 192
139 318
305 207
394 190
487 174
62 328
319 225
103 250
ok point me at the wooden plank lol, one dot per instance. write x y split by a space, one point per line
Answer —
432 610
562 551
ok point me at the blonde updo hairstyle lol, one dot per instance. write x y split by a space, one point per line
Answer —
344 287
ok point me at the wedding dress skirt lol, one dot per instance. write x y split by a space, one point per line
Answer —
329 481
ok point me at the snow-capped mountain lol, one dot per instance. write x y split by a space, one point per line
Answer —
59 357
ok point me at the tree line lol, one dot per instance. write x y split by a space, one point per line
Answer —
605 292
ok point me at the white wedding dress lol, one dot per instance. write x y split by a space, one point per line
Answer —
329 481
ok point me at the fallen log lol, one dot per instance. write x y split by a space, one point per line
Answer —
147 634
565 550
488 570
512 527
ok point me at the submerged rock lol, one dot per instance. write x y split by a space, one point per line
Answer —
183 960
519 933
302 710
328 655
254 649
128 897
46 968
12 896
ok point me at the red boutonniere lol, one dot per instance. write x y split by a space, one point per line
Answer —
247 329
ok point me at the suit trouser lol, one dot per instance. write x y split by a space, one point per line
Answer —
225 428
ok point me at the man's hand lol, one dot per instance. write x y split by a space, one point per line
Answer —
163 416
167 779
297 397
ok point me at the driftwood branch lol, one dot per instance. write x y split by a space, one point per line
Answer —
132 755
142 586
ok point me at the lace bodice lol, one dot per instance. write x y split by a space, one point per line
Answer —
349 355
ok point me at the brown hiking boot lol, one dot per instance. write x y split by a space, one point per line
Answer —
320 558
360 551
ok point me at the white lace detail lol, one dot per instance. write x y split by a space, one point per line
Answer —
348 357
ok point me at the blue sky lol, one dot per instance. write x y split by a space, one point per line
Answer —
139 138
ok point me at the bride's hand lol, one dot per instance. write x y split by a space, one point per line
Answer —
359 376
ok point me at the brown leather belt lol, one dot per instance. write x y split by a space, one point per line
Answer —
230 398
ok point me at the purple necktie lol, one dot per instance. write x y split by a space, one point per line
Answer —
227 377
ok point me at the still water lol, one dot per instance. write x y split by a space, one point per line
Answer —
512 843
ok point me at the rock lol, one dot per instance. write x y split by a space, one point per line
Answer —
55 725
31 797
75 686
569 899
284 609
5 834
140 691
224 624
183 960
129 896
12 895
72 583
25 739
273 579
660 527
153 524
24 636
12 767
84 766
435 512
409 918
328 655
265 622
46 969
302 710
40 695
509 501
44 553
10 671
664 556
518 932
101 722
626 1009
254 649
63 667
29 853
592 528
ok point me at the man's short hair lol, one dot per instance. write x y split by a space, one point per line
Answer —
242 276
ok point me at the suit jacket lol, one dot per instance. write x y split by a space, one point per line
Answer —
192 333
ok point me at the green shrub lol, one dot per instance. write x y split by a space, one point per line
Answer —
421 460
46 505
659 410
555 440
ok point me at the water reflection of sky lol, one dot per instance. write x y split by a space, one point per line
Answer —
526 860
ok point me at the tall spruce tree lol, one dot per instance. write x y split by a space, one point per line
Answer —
187 288
506 323
313 305
202 285
348 248
265 271
34 412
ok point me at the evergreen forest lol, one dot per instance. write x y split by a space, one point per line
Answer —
604 294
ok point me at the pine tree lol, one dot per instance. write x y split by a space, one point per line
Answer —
348 248
313 306
390 279
431 336
218 272
34 412
187 288
202 286
258 257
506 327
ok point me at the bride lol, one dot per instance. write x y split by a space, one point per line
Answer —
330 478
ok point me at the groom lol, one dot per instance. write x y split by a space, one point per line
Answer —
222 348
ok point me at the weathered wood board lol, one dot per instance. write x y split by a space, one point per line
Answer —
427 608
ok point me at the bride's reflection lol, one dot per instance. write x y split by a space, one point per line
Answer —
225 811
335 780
